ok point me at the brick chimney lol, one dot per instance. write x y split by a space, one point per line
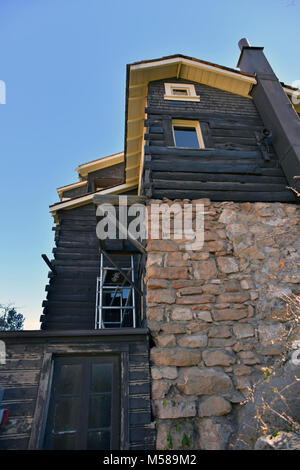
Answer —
275 108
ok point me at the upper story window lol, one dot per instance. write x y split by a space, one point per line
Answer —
187 134
180 92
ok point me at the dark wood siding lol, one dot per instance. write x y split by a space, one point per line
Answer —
75 192
230 168
71 292
25 379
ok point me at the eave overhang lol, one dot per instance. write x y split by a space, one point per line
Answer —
68 187
88 198
86 168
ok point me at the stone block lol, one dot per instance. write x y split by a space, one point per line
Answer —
217 357
175 357
193 341
203 381
214 406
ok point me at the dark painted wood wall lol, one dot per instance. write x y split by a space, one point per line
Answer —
25 376
71 292
230 168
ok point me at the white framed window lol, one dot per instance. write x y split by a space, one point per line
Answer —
180 92
187 134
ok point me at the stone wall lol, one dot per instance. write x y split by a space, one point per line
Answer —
217 318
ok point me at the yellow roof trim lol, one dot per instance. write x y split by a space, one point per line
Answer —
67 187
179 61
86 168
86 199
290 92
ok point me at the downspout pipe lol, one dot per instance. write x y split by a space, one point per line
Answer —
276 110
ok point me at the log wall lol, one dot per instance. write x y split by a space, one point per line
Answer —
232 166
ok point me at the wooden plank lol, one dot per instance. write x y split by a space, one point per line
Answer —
155 129
235 125
228 132
218 160
71 305
282 196
88 296
116 201
89 245
76 263
20 393
21 408
188 176
19 377
218 186
48 262
76 256
153 136
74 223
181 113
157 142
12 363
213 168
73 318
38 423
16 425
75 274
174 151
60 250
107 182
246 141
69 288
124 401
14 442
206 134
46 325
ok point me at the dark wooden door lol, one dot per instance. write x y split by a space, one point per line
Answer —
84 408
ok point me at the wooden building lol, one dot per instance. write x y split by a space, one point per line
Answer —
193 130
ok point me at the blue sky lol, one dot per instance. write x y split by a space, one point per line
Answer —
63 62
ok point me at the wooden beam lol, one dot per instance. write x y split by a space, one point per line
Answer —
48 262
115 199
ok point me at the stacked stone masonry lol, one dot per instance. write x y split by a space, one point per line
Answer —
216 316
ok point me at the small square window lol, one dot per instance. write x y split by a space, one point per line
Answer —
180 91
187 134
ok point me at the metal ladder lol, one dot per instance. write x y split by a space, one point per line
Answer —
115 301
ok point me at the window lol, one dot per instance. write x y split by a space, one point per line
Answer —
187 134
84 409
180 92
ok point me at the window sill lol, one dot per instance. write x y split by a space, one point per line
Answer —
181 98
173 147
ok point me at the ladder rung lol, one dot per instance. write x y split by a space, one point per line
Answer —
116 286
119 308
111 268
